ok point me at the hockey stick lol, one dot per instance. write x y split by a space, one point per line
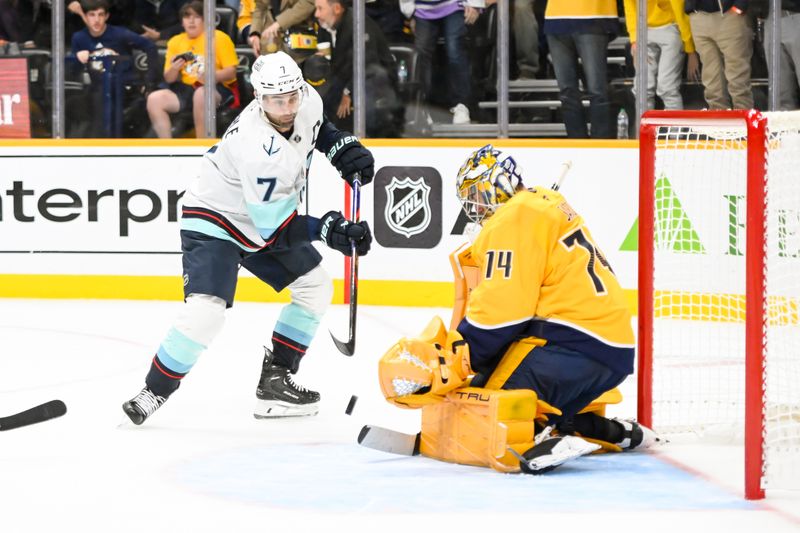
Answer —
348 348
389 441
557 185
40 413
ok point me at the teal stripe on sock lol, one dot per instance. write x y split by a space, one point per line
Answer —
179 352
297 324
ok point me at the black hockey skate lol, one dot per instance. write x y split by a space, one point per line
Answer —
279 396
637 436
141 406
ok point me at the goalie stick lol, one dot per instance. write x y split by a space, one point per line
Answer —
388 440
34 415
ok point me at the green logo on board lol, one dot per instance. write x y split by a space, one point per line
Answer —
673 229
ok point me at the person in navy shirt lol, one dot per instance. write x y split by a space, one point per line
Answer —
99 39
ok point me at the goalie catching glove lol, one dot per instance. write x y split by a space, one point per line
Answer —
350 157
414 372
339 233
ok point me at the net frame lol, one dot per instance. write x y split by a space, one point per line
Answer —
718 124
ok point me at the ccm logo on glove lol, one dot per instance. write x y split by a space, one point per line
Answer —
339 233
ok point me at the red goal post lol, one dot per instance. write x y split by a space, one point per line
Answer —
719 282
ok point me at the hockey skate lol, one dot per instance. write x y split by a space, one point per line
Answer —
279 396
551 451
637 436
141 406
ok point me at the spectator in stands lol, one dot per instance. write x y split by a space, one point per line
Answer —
450 18
582 29
100 39
724 39
525 30
789 53
158 20
383 111
10 22
387 15
668 37
245 19
184 71
272 17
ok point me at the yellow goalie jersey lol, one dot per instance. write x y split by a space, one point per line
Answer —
543 276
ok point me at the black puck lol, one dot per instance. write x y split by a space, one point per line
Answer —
351 404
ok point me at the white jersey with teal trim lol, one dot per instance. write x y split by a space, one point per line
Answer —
250 182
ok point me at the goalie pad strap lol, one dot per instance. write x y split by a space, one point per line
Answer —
511 360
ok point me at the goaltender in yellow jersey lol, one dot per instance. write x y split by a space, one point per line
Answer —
543 276
540 337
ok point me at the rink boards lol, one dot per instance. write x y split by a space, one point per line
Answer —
99 219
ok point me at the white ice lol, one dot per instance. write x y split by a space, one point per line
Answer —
203 463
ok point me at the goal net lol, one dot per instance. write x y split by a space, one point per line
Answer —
719 284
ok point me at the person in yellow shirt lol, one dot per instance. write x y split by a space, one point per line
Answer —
184 73
546 313
669 36
245 19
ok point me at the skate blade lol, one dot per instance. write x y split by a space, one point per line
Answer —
278 409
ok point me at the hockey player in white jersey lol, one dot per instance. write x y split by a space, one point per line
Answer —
242 211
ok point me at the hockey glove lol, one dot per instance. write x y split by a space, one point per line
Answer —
339 233
349 157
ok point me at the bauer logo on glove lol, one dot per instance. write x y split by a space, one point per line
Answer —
340 234
351 158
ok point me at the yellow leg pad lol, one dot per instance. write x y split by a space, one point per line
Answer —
475 426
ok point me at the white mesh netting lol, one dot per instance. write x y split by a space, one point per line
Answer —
699 287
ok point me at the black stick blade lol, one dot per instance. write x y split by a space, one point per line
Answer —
34 415
348 348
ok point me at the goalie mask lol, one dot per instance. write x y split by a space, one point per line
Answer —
486 180
279 87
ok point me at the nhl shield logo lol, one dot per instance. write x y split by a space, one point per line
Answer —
408 209
409 215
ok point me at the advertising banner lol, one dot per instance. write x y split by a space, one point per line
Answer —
15 120
72 209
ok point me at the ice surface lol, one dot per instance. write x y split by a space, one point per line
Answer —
203 463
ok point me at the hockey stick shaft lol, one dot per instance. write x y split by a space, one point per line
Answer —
348 348
566 166
40 413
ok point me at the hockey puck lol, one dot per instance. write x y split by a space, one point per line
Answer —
351 404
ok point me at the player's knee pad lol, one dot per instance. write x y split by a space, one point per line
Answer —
313 291
202 318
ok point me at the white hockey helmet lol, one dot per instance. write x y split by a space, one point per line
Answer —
279 87
486 180
275 73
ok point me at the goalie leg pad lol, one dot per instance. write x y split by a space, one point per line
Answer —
476 426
